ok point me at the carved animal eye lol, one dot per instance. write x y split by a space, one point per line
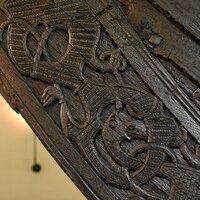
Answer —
132 127
113 123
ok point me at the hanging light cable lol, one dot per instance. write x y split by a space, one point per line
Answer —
35 167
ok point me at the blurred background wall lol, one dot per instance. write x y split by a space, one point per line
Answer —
17 181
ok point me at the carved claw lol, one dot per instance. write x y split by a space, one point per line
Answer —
112 62
117 63
52 93
116 59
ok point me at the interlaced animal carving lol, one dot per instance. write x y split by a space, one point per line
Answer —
136 137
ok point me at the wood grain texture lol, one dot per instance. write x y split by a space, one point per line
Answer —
184 12
108 88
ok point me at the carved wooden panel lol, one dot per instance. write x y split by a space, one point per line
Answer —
111 88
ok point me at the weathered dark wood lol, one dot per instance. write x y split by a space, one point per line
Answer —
186 13
111 88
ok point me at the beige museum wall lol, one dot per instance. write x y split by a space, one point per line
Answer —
17 181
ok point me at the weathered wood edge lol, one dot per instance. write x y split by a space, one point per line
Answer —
20 98
188 21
